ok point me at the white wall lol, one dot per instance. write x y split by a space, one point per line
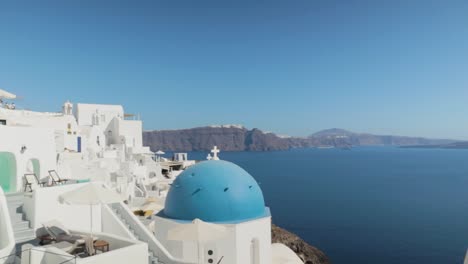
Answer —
39 143
44 205
49 255
256 229
65 126
111 224
132 131
85 113
89 139
7 240
122 251
56 121
235 246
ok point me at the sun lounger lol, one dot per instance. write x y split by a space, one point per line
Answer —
32 182
60 233
56 178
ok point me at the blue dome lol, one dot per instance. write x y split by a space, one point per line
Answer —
215 191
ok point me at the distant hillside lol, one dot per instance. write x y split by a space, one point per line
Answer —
238 138
363 139
453 145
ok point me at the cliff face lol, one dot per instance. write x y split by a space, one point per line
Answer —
235 138
308 253
204 138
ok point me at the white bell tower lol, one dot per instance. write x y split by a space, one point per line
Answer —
67 108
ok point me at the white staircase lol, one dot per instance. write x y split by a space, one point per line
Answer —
21 227
152 258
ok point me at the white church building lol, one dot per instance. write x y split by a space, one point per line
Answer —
221 193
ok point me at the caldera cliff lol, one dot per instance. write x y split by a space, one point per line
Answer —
238 138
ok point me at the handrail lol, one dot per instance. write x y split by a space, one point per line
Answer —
145 235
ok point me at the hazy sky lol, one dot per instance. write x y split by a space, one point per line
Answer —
292 67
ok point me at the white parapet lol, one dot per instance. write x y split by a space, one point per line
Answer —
7 240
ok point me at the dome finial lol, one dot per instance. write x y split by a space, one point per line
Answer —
215 152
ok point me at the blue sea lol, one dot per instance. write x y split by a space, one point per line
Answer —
369 204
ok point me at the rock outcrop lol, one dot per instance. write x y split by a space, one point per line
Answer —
308 253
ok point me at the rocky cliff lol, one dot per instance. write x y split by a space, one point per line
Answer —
236 138
227 138
308 253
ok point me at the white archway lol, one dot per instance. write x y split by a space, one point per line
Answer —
34 166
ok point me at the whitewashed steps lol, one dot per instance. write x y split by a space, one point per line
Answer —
21 227
152 258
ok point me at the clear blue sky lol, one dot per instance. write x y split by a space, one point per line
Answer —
292 67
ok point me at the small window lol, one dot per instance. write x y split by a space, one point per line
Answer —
3 122
210 252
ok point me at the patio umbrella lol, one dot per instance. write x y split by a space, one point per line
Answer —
160 152
6 95
152 206
91 194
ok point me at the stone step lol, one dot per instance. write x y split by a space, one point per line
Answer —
14 204
15 201
24 235
16 195
15 210
21 225
15 218
25 239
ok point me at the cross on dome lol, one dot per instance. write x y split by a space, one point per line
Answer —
215 152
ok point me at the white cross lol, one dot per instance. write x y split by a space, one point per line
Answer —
215 152
209 157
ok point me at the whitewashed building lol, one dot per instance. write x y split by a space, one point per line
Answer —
210 212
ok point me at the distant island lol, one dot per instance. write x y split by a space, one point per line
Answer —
239 138
451 145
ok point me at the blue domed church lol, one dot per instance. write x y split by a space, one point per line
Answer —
215 213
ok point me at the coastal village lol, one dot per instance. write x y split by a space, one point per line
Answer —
79 186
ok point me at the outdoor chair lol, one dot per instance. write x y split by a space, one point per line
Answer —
32 182
56 178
